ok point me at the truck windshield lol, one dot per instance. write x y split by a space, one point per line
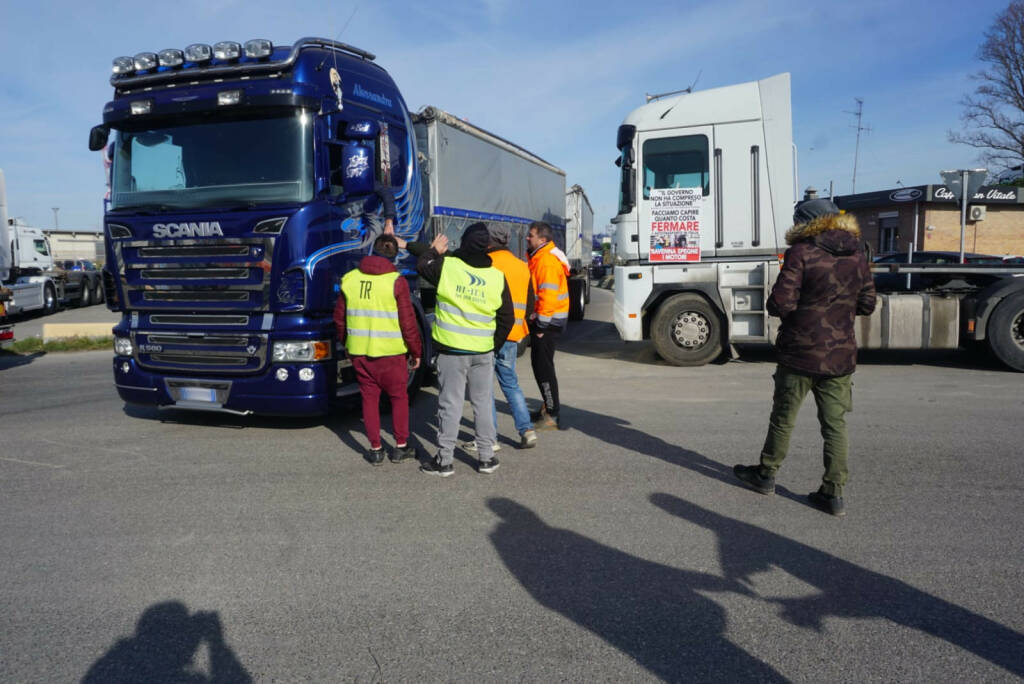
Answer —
209 163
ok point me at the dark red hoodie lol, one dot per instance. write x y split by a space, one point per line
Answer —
375 265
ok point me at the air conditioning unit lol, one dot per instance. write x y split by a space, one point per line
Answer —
977 212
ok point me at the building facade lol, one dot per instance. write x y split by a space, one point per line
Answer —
927 218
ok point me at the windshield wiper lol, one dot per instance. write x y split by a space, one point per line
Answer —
144 209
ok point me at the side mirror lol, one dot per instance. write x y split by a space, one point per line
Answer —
98 137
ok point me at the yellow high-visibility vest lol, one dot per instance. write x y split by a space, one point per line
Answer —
467 300
371 315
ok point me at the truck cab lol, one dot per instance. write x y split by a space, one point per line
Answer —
706 191
244 183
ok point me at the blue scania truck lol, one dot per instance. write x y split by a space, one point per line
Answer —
245 180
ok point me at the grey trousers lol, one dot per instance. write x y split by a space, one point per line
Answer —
455 372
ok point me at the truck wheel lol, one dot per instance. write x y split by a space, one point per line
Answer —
85 296
97 292
1006 331
49 299
577 300
586 288
687 331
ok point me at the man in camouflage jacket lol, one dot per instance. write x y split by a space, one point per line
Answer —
824 284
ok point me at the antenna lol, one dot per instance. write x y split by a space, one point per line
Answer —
337 38
688 89
856 150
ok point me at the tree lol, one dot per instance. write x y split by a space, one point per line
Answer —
993 116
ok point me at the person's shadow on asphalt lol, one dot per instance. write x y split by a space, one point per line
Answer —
620 433
163 650
846 590
652 612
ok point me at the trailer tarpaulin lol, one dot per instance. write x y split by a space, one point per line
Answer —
476 176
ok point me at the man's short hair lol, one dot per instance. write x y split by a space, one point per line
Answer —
386 246
543 230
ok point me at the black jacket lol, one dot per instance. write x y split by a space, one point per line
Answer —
429 266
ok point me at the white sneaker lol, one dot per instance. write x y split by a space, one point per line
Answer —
528 440
471 447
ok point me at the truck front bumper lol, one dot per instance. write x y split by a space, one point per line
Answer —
262 394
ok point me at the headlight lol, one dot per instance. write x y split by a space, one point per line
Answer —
122 346
314 350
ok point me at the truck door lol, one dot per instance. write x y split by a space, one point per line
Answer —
675 195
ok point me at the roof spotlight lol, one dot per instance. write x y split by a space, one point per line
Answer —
227 50
123 65
171 58
145 60
198 53
258 47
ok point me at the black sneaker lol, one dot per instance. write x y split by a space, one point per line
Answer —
833 505
488 466
751 476
433 467
375 456
402 453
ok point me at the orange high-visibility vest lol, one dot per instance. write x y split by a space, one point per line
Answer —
517 273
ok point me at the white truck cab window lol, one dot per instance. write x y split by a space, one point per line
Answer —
679 162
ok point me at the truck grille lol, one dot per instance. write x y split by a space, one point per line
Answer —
226 352
196 275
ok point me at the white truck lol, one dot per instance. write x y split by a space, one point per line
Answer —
579 240
26 265
707 189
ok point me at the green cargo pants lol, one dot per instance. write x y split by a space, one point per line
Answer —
834 399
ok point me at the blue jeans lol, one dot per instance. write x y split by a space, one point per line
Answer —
505 369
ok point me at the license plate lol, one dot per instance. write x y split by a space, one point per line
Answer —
198 394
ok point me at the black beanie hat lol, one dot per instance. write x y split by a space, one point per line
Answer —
475 239
808 210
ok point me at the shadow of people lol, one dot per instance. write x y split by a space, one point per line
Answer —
649 611
12 360
163 651
846 590
620 433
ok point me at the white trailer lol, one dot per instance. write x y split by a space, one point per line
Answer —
579 246
707 190
470 174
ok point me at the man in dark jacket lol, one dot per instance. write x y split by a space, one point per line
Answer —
375 319
473 317
824 284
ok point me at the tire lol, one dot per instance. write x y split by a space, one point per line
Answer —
1005 332
97 292
85 296
49 299
577 300
586 288
687 330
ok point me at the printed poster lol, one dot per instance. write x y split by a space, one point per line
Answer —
675 223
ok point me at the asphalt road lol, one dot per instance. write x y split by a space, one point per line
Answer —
619 550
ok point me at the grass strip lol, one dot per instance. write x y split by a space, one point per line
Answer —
35 345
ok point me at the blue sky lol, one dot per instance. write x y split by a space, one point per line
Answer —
552 76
